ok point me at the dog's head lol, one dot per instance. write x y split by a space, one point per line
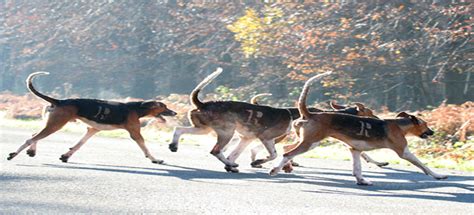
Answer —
420 127
157 109
358 110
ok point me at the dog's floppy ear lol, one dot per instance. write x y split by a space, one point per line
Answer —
360 106
411 117
149 104
414 119
403 115
335 106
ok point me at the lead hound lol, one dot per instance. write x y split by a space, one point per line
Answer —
359 133
98 115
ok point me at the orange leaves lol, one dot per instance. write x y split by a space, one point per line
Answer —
376 16
352 56
331 34
449 118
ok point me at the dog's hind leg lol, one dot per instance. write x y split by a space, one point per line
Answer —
370 160
32 150
270 146
301 148
90 132
244 142
55 122
178 131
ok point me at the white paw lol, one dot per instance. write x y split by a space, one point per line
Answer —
274 172
364 182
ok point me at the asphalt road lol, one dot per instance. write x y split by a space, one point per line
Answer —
110 175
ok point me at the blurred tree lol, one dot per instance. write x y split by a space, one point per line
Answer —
398 54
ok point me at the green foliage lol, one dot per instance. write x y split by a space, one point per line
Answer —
225 93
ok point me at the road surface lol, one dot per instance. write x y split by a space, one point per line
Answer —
110 175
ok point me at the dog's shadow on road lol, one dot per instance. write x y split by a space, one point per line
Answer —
386 184
393 181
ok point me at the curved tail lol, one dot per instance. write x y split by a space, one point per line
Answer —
302 100
194 94
253 100
29 84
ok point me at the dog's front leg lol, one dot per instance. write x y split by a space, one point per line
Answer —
407 155
270 146
254 151
357 168
244 142
138 138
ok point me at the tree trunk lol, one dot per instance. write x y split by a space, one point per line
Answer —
459 88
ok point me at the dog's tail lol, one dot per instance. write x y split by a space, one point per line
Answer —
194 94
253 100
29 84
302 100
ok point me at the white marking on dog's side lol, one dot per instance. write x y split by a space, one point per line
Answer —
98 112
364 129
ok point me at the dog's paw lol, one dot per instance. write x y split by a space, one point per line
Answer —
256 165
274 172
12 155
257 162
293 163
173 147
441 177
64 158
288 168
382 164
231 169
31 152
158 161
364 182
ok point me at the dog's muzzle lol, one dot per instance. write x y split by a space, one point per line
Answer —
168 113
426 134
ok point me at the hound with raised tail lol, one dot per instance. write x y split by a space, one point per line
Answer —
98 115
359 133
358 110
228 117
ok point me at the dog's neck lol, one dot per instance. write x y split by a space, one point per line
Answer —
404 124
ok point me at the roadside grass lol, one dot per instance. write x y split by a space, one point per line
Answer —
330 149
